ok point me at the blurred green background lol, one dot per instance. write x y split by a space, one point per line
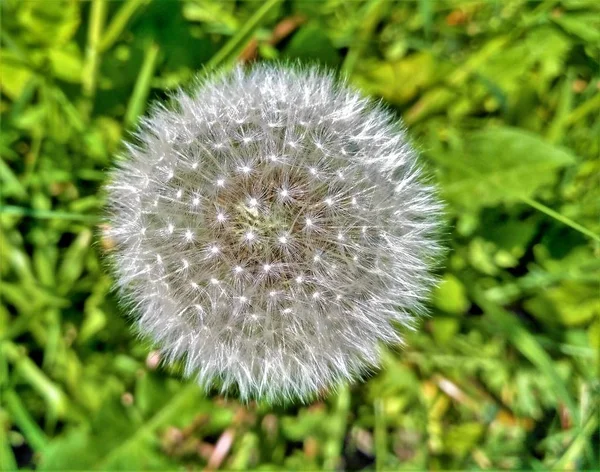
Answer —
503 100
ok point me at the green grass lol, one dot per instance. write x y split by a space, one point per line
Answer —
501 98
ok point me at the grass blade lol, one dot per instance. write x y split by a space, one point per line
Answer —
229 52
332 450
119 22
372 12
47 214
508 325
30 429
561 218
90 69
380 435
137 103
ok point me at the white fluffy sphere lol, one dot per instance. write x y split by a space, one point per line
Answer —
271 230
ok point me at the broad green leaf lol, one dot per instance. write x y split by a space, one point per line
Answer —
217 16
461 439
570 304
15 75
450 295
116 440
311 44
66 62
500 165
11 184
53 22
400 81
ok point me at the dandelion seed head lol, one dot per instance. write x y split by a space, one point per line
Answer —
272 230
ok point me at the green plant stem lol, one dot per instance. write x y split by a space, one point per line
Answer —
333 447
137 103
90 69
227 55
557 127
576 447
591 105
247 445
558 217
7 457
380 434
119 22
372 12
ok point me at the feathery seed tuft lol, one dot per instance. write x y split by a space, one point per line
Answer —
271 229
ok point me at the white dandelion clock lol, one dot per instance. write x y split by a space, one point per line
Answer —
272 230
